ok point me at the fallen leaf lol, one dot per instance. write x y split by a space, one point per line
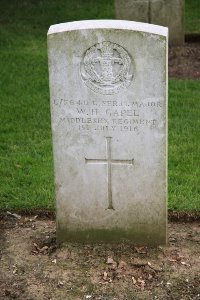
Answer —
43 249
155 267
54 261
185 264
160 283
142 283
141 250
33 219
60 284
14 215
105 275
172 239
38 249
36 246
134 280
14 269
172 260
110 261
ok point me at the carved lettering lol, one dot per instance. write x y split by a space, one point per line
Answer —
109 115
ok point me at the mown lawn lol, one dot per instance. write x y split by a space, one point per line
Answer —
25 145
192 16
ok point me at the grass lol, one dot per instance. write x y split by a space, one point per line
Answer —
25 146
192 16
184 146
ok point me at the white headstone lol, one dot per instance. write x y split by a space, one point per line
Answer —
108 87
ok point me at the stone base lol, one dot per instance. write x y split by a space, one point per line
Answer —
143 234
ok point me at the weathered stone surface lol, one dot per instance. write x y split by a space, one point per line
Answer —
108 87
169 13
132 10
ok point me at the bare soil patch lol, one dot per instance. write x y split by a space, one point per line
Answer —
32 267
184 61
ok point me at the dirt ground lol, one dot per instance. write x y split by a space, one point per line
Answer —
32 267
184 62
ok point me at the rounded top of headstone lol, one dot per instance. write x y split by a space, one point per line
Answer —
108 24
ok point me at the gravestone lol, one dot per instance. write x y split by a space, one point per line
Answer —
108 89
169 13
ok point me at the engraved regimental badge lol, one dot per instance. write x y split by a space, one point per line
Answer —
106 68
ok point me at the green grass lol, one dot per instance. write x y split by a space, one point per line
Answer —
192 16
25 146
184 145
26 170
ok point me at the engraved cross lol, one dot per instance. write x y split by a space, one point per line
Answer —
109 162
